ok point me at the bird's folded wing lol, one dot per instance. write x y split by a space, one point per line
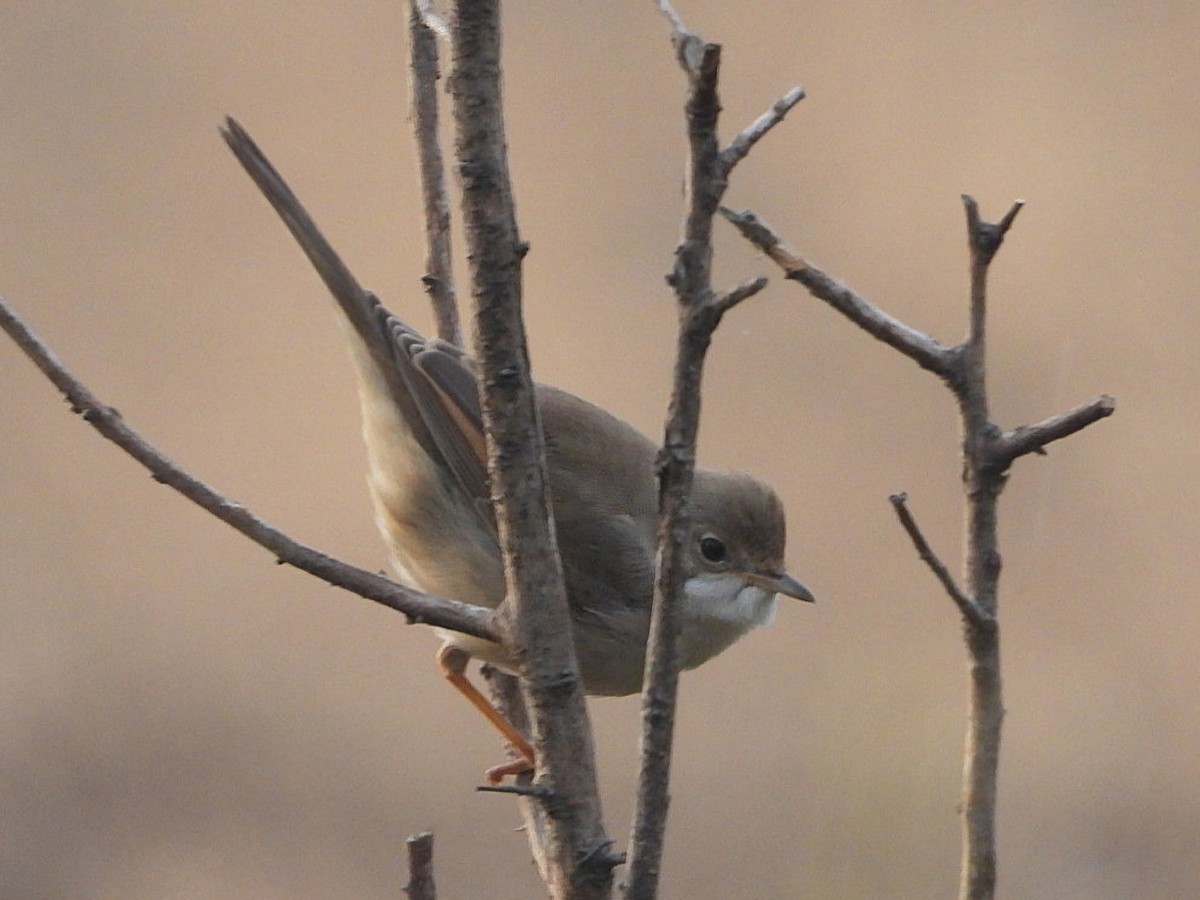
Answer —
446 396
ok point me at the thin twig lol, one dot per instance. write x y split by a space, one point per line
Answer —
916 345
678 29
726 301
1033 438
420 867
416 605
506 694
536 791
745 140
968 607
423 79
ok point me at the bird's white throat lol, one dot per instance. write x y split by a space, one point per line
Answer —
718 608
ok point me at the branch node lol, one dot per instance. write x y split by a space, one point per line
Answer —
986 237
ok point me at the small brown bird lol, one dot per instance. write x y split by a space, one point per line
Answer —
428 479
427 473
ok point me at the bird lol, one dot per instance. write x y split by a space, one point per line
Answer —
427 477
423 430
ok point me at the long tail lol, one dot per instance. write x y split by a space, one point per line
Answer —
378 329
429 383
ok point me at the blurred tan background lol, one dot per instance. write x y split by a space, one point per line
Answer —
179 717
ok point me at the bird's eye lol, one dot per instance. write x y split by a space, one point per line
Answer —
712 549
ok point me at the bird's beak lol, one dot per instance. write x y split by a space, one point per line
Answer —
781 583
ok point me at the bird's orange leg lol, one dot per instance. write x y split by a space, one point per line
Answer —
453 663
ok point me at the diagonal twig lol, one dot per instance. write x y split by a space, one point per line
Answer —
416 605
745 140
971 610
925 351
1026 439
722 303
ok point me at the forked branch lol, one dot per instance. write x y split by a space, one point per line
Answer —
987 454
700 311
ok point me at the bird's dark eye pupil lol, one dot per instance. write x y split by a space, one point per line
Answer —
712 549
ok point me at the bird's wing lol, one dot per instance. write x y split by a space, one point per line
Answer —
447 398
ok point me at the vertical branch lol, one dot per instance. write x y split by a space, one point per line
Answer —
691 279
420 867
536 618
423 78
700 312
425 29
983 482
506 694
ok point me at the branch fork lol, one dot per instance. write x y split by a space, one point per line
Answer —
988 452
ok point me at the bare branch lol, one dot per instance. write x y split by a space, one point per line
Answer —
916 345
968 607
1034 438
700 313
423 25
679 31
706 176
536 791
986 457
757 130
982 484
987 237
420 867
722 303
536 614
417 606
506 694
